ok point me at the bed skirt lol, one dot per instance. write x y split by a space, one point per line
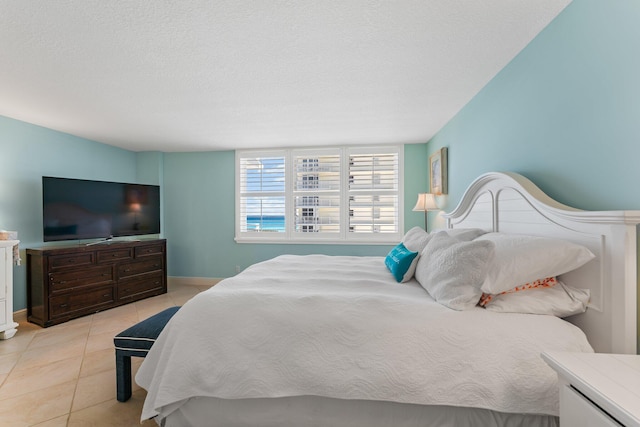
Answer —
307 411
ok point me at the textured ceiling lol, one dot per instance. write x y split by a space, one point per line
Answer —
196 75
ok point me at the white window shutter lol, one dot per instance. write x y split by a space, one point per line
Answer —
316 191
373 192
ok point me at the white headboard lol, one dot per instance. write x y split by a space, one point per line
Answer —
510 203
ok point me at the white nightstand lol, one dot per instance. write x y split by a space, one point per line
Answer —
597 389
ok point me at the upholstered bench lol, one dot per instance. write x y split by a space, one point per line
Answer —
136 341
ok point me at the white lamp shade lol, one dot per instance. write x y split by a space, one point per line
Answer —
426 202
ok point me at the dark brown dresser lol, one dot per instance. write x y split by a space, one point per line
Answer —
65 282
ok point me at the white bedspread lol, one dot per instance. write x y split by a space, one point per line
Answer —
342 327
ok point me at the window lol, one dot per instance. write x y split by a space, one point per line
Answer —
262 186
327 195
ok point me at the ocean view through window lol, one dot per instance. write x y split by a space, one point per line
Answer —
265 223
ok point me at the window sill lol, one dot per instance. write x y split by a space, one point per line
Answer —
252 240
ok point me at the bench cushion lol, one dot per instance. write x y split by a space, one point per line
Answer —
140 337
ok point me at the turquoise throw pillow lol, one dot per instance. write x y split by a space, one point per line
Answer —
399 260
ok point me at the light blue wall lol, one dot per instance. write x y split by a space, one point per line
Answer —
199 191
149 167
27 152
150 170
565 112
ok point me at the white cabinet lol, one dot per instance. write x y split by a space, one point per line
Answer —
7 325
596 389
576 410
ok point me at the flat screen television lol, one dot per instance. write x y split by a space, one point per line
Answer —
76 209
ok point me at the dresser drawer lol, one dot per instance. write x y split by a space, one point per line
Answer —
133 287
68 280
72 260
140 267
90 300
114 255
149 250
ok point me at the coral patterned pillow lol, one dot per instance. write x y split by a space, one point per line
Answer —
540 283
546 296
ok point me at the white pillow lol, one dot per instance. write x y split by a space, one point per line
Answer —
559 300
521 259
416 239
452 271
464 234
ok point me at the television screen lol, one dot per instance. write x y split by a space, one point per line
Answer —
75 209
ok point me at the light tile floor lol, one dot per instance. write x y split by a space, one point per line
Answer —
65 375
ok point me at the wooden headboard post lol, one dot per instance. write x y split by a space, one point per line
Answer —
510 203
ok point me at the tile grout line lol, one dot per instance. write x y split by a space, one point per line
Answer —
84 355
21 352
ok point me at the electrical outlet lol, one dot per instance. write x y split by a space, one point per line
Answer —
237 269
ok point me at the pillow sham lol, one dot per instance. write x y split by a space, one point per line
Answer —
416 239
521 259
399 261
559 300
452 271
464 234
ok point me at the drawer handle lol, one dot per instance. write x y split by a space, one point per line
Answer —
149 250
114 255
156 282
63 305
127 269
106 295
156 265
62 282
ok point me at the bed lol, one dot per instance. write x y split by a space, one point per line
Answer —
336 341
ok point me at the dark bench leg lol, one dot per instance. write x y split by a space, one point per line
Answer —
123 376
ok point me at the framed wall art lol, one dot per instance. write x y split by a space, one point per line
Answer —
438 172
